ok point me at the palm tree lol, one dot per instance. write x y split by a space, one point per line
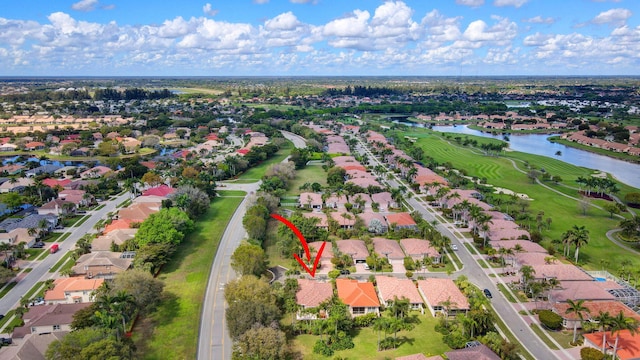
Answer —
580 238
577 308
620 323
527 275
604 320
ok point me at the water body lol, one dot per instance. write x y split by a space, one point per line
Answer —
538 144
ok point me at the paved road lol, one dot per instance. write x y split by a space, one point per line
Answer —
40 271
214 342
476 274
213 339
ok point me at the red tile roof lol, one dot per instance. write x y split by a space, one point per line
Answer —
117 224
595 307
357 294
400 219
311 293
162 190
436 291
53 182
628 344
391 287
71 284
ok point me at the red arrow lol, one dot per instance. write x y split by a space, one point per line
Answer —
305 246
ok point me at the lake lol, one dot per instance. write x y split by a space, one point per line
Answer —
538 144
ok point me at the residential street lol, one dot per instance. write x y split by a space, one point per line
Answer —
40 271
507 311
213 340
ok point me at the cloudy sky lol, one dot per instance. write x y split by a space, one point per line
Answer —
320 37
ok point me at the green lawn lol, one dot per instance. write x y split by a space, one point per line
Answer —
59 265
231 193
500 171
7 289
172 331
257 172
310 174
422 339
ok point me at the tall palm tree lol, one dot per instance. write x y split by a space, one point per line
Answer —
620 323
604 320
580 238
527 275
577 308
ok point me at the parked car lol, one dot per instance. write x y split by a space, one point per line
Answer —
345 272
37 301
454 247
366 267
487 293
6 341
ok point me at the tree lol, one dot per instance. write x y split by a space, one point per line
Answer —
527 273
6 275
191 200
261 343
166 226
580 237
151 179
88 343
243 315
143 287
603 319
576 308
247 288
255 226
249 259
612 208
84 318
620 323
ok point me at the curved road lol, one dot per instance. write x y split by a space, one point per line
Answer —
40 270
214 342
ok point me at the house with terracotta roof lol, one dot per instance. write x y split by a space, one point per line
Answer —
34 145
57 207
418 249
354 248
345 219
595 307
101 264
561 272
384 201
310 295
375 222
335 201
309 200
391 288
322 223
55 182
46 319
388 248
526 245
361 200
584 290
442 295
364 183
628 343
72 290
401 220
114 237
361 297
117 224
78 197
162 190
138 212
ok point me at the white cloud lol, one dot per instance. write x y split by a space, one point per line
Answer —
354 25
85 5
478 33
208 10
472 3
260 1
613 17
540 20
514 3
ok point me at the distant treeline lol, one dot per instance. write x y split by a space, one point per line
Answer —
131 94
100 94
367 91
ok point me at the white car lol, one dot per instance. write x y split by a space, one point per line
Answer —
366 267
454 247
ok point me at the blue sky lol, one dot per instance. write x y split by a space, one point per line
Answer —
319 37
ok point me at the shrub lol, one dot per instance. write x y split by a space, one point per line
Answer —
387 343
341 342
550 319
322 348
588 353
409 274
365 320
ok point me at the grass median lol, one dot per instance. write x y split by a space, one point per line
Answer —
172 331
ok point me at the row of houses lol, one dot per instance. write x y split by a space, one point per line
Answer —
362 297
580 138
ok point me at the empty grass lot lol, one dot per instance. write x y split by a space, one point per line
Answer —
310 174
422 339
565 213
172 331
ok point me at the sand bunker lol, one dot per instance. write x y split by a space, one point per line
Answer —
498 190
